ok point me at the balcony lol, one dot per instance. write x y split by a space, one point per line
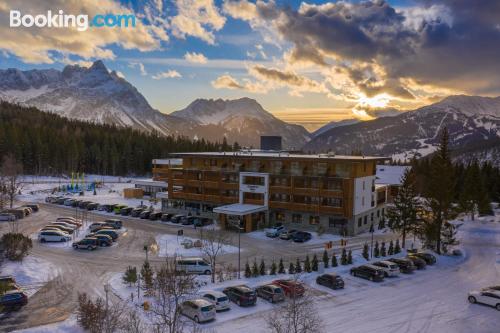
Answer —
305 191
193 196
212 198
179 182
229 200
279 205
193 183
331 193
331 210
229 186
210 184
279 189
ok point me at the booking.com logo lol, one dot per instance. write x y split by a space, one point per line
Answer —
61 20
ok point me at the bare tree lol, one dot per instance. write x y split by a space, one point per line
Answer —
3 191
11 170
297 315
170 289
213 246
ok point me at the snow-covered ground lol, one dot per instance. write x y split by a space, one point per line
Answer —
168 245
69 325
31 273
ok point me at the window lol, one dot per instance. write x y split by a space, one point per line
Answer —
336 222
365 219
314 220
280 216
334 202
297 218
378 213
371 217
359 222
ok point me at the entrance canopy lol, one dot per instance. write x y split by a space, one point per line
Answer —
239 209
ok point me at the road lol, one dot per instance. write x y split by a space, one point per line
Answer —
434 300
82 271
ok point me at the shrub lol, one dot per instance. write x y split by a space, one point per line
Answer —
314 264
298 267
15 246
326 260
281 267
343 257
255 269
274 268
248 271
391 248
262 267
130 276
307 265
291 268
334 260
349 257
366 254
397 248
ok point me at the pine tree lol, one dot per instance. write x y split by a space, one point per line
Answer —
314 264
397 248
255 269
366 253
403 215
383 251
262 267
349 257
391 248
298 267
281 267
334 260
307 265
376 251
326 260
147 276
248 271
274 268
343 257
291 268
130 276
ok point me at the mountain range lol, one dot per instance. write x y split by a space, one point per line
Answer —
97 95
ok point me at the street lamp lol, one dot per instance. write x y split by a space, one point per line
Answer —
372 230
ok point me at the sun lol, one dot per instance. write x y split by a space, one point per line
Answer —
366 103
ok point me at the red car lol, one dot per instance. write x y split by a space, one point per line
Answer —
290 287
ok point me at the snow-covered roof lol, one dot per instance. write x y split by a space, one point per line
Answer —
168 161
155 183
239 209
390 174
282 154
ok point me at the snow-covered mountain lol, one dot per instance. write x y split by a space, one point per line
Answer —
469 119
91 94
243 120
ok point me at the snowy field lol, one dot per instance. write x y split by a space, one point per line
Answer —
168 245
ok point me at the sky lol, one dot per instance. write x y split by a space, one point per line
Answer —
306 62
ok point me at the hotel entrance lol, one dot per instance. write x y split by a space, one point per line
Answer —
249 217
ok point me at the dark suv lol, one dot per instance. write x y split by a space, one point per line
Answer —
102 240
429 258
332 281
241 295
369 272
13 299
86 243
301 236
405 265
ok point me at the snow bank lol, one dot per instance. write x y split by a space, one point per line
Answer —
168 245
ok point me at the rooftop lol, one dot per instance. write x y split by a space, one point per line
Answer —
390 174
282 154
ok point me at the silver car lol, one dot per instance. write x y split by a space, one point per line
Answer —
7 217
218 299
200 310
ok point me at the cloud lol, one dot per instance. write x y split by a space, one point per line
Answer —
139 65
226 82
377 48
297 83
46 45
197 18
197 58
170 74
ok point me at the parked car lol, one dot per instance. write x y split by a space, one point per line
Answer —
199 310
71 221
110 208
76 203
51 199
219 299
83 204
275 232
18 213
166 217
7 217
496 288
177 218
13 299
389 268
330 280
271 293
145 214
96 226
292 288
60 200
419 263
69 202
488 297
203 221
113 223
118 209
430 259
65 224
61 227
108 232
90 244
241 295
288 234
193 266
92 206
126 211
136 212
102 240
301 236
369 272
34 207
155 216
53 236
187 220
405 265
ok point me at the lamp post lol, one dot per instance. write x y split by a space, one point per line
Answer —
239 245
372 230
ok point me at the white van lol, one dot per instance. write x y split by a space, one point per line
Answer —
193 266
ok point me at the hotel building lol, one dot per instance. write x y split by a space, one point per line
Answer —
334 193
